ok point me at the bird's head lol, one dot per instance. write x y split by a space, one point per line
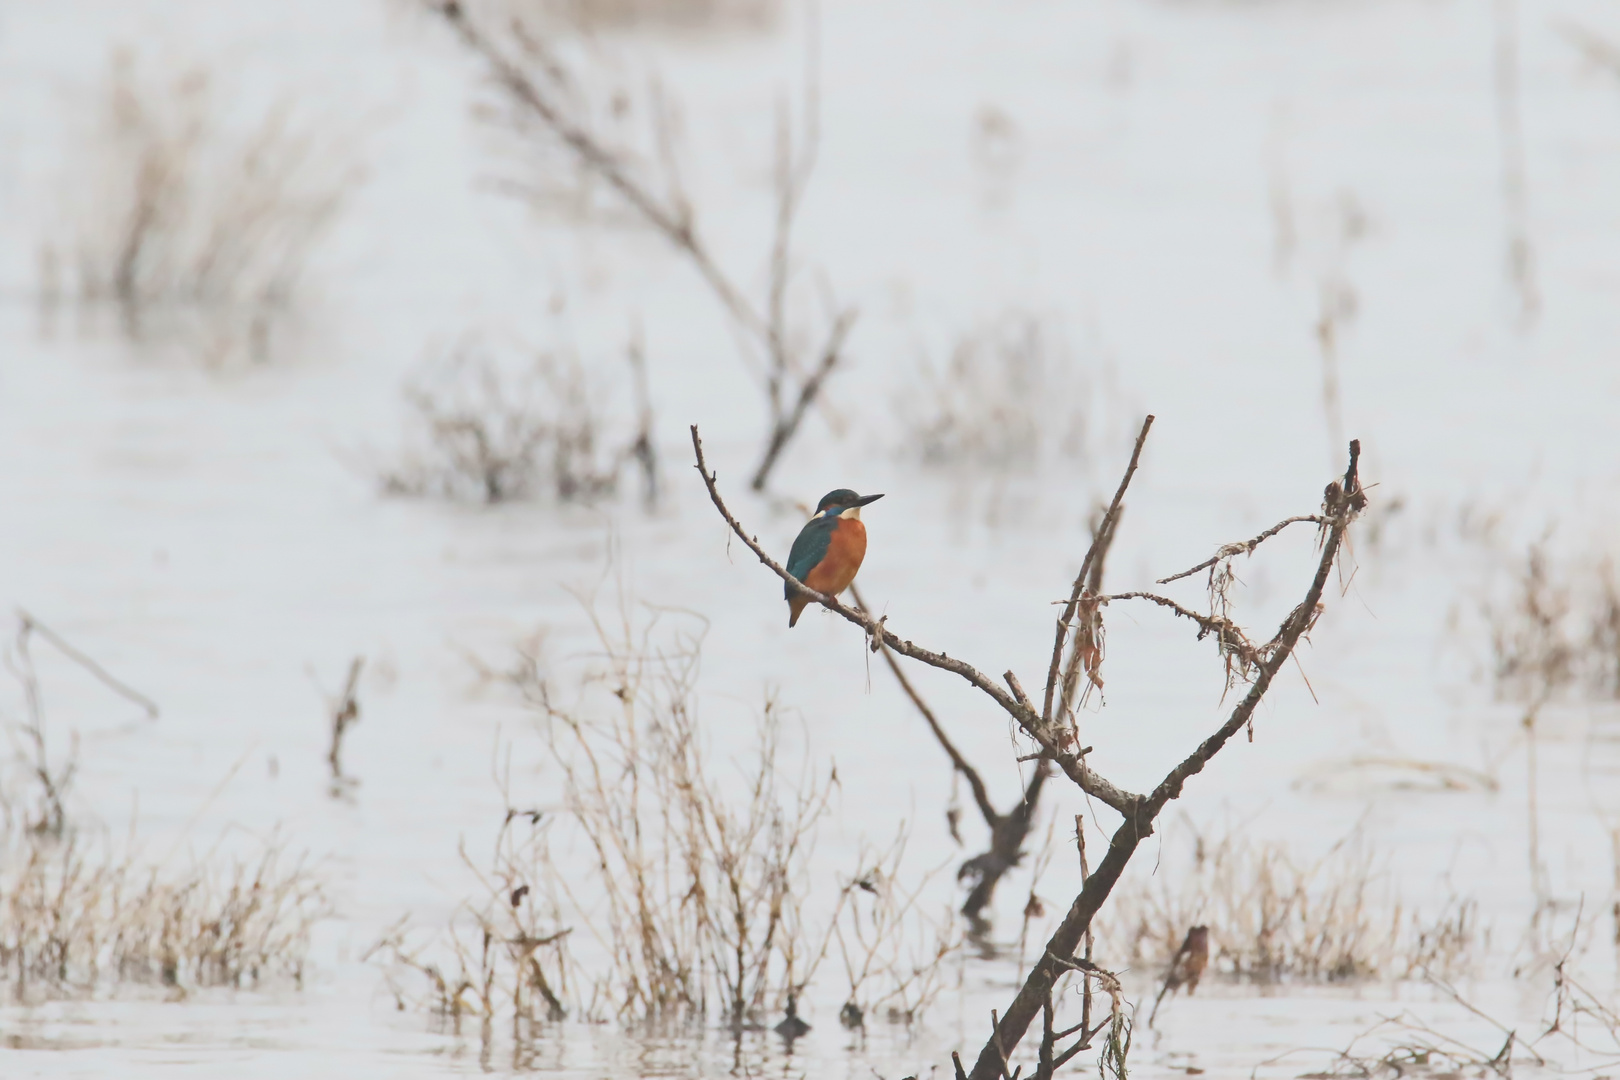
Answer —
842 503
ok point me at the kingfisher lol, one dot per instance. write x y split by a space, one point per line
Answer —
829 549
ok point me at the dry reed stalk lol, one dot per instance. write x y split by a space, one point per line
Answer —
1520 254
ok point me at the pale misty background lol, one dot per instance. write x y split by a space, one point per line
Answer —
227 471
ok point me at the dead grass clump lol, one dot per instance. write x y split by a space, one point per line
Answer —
1010 397
78 916
191 230
667 888
491 430
1272 917
1554 627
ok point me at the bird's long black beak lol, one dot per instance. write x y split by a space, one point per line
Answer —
864 499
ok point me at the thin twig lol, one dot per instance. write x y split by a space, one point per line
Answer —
981 795
116 686
1245 547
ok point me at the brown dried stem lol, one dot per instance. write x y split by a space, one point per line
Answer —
1099 545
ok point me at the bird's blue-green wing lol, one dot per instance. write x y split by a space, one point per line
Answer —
809 549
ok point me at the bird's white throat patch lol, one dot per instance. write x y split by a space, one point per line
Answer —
853 513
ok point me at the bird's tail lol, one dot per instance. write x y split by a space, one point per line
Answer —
796 606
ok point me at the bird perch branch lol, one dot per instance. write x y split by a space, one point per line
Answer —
1022 712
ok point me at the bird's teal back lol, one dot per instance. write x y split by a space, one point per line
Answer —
810 547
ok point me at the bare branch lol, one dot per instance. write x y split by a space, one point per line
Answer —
1598 50
674 222
789 395
1341 503
981 795
787 425
31 624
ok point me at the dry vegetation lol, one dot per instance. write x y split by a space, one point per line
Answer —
1273 917
80 914
1011 396
487 428
669 888
1555 630
1578 1033
189 230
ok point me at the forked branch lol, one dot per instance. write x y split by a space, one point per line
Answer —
1008 700
1341 503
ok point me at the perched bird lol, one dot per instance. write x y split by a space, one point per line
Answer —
829 548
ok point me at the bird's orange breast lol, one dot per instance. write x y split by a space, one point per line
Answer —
845 551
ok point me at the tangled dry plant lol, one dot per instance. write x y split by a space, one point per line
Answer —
193 232
1055 738
891 951
486 429
667 889
1578 1033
